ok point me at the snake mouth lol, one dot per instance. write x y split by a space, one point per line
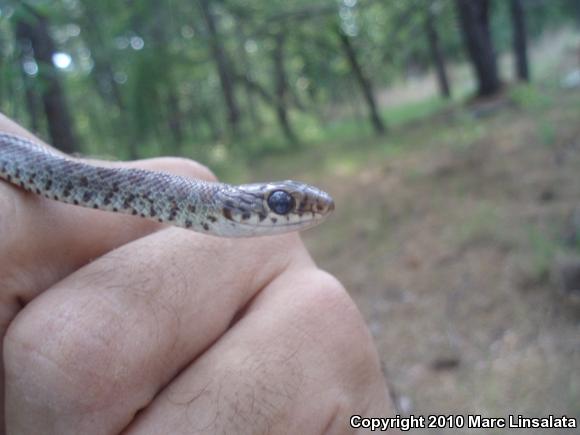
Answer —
278 224
273 224
242 229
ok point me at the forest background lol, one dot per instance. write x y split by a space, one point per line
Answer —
447 130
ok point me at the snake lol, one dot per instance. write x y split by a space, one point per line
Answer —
213 208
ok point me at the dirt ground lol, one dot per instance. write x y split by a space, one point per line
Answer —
448 249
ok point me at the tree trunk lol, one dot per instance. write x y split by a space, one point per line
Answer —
161 39
32 97
214 127
363 81
223 68
251 101
282 88
33 100
104 76
474 21
33 31
436 53
256 89
32 105
574 6
519 40
174 114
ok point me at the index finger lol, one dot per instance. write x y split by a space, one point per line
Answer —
41 240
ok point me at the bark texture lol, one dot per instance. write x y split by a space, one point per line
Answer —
32 32
475 26
364 82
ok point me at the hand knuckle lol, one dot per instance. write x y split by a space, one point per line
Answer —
55 362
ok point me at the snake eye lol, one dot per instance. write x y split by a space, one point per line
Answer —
281 202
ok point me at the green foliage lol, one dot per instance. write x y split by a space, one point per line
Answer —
416 110
143 79
543 250
543 246
547 132
534 99
529 97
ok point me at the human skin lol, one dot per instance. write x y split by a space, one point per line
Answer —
114 324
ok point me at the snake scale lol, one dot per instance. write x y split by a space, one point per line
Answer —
214 208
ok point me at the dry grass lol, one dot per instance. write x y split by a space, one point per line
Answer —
446 249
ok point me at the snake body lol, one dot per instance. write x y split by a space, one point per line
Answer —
208 207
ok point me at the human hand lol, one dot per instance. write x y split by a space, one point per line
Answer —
114 324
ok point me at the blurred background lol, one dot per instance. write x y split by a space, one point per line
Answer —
448 132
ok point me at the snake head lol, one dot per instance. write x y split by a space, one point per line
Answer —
276 207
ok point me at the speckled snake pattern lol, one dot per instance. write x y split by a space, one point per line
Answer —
208 207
